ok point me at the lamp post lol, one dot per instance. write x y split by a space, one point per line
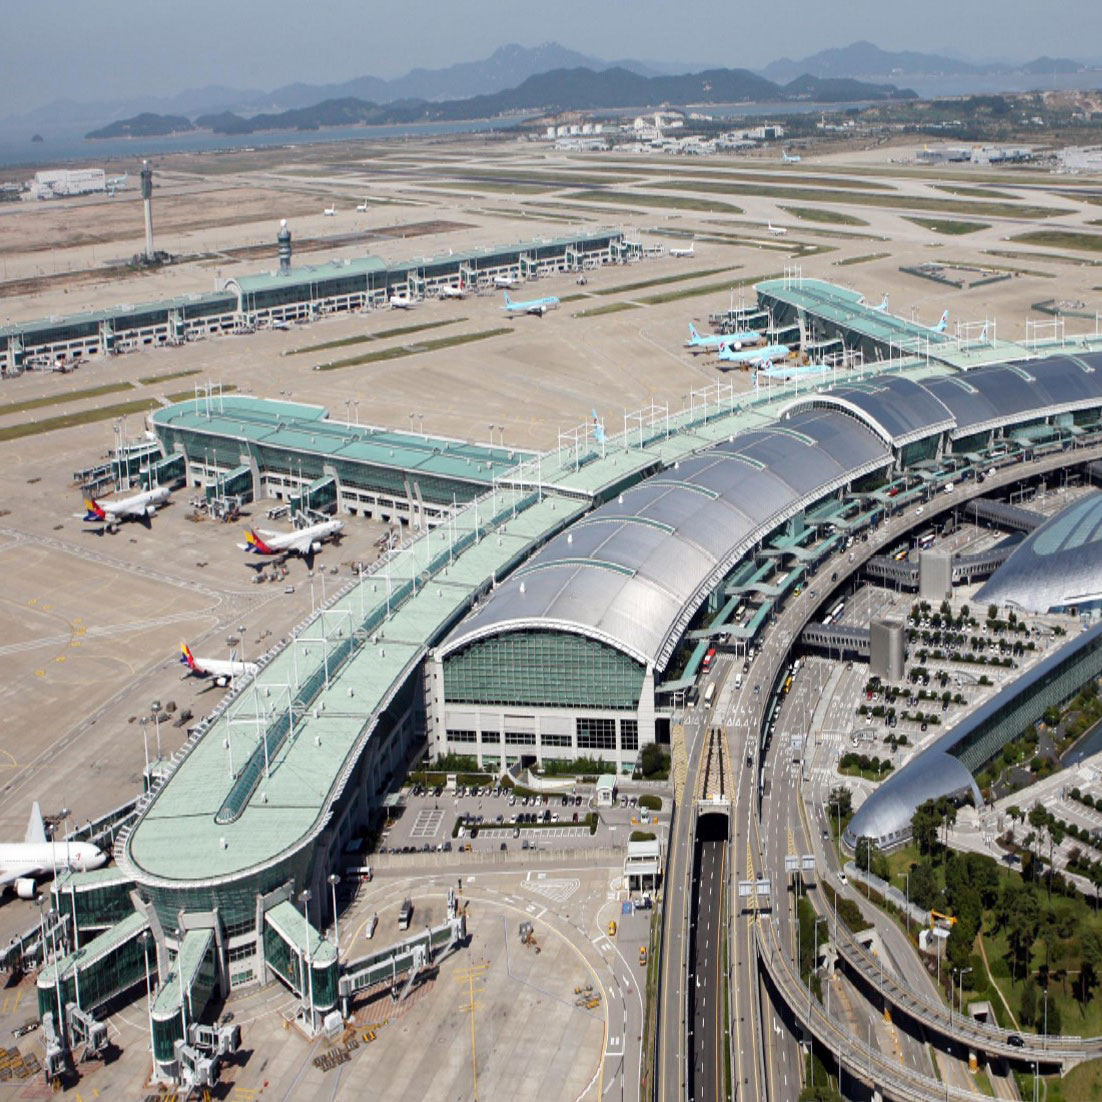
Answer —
1044 1043
144 939
304 895
334 880
960 972
145 743
156 709
241 641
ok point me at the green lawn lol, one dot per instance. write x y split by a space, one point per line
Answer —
607 308
679 277
153 380
1062 239
818 214
864 259
383 334
644 199
64 396
399 351
871 199
1082 1084
949 225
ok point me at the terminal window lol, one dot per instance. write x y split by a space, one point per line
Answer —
629 734
556 740
462 736
596 733
491 737
520 738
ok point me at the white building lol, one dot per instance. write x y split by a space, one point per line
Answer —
54 183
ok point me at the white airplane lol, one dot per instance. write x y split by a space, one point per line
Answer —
401 302
21 863
790 158
305 541
753 357
454 292
221 671
361 208
777 231
943 324
883 305
682 253
330 212
116 183
505 282
109 514
538 306
713 342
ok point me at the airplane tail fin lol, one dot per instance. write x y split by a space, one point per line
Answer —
36 828
943 324
186 657
93 510
255 544
508 300
693 334
983 333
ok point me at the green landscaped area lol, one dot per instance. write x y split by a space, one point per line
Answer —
710 289
790 177
948 225
607 308
65 396
486 186
680 277
709 206
153 380
90 416
1057 258
1020 932
864 259
818 214
399 351
1062 239
383 334
1082 1084
975 192
872 199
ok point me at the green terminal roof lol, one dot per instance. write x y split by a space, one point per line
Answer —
296 427
307 274
289 805
289 922
194 947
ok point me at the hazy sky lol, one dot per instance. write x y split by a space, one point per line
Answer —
114 48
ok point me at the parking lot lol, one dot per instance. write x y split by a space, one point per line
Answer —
473 819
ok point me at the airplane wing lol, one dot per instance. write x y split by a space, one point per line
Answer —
300 544
10 876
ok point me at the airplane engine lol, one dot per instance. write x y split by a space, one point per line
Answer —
24 887
221 682
736 345
315 547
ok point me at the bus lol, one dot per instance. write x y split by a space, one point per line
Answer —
836 611
405 915
926 541
706 665
709 693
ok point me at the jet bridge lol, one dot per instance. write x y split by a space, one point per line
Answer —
404 961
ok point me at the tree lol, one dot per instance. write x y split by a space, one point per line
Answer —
924 827
1028 1012
869 858
923 886
1022 922
1090 948
1051 1022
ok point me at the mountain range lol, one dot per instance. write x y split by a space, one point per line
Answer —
557 90
865 61
510 66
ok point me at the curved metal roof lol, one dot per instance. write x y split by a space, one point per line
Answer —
1057 565
633 572
886 815
902 410
899 410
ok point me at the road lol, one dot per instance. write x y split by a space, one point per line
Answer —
706 989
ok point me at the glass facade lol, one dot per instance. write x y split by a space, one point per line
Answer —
629 734
543 668
595 733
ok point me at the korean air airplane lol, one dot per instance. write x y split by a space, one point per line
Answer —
538 306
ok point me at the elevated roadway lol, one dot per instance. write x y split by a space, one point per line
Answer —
764 942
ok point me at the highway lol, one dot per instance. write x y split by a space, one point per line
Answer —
760 842
706 989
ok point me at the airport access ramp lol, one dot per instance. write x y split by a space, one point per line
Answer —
403 961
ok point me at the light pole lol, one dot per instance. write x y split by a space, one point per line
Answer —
305 897
241 641
145 743
1044 1043
960 972
156 708
144 939
334 880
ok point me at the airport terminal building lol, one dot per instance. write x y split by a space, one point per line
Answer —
564 612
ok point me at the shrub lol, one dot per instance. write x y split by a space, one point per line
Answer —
651 803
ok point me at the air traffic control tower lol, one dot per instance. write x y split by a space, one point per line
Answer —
147 203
